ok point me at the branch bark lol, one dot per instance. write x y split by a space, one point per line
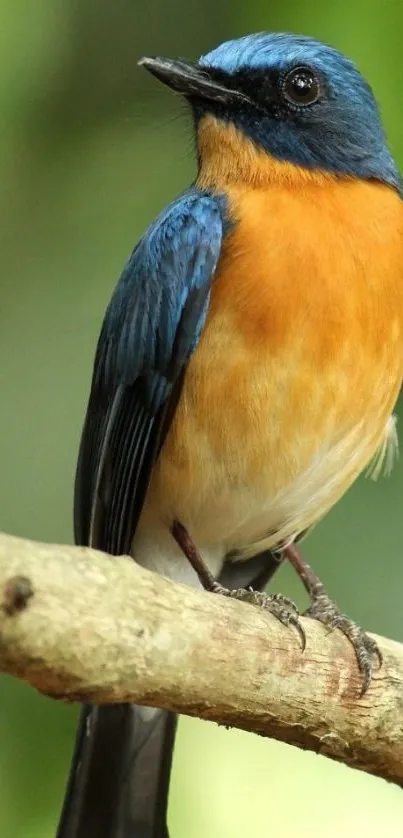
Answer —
82 626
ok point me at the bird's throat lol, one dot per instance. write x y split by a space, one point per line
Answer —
229 157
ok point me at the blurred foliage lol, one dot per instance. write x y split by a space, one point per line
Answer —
90 151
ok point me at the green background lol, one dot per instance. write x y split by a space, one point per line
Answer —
90 150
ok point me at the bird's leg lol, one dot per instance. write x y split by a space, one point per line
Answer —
323 609
281 607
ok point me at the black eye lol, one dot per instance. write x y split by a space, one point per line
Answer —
301 86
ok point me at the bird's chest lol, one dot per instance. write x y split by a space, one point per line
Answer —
289 392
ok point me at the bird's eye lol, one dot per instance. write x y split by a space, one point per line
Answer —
301 86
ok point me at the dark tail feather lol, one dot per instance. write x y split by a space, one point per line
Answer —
118 785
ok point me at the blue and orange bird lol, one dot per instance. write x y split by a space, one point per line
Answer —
247 368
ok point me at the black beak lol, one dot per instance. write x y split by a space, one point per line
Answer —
192 81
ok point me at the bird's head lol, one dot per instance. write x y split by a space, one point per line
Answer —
286 98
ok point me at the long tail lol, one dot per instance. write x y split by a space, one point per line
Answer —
119 779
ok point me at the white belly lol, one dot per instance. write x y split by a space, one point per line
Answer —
246 520
155 548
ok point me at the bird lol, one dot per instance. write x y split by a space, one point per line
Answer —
246 372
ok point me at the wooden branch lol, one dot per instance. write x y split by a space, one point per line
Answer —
82 626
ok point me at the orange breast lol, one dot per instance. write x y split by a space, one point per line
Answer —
288 394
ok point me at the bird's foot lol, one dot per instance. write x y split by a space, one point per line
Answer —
280 606
325 610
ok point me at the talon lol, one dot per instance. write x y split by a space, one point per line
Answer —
302 634
323 609
379 655
366 671
326 612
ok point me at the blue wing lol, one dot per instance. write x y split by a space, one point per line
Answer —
151 327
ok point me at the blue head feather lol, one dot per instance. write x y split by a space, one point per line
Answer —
341 132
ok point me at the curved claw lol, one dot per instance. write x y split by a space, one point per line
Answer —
282 608
301 631
285 610
378 654
326 612
364 655
366 672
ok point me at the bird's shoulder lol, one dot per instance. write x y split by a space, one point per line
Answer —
162 286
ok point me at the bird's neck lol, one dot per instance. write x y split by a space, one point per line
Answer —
227 158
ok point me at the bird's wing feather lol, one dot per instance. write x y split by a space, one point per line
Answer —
151 327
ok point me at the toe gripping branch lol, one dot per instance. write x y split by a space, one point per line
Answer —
326 611
280 606
321 607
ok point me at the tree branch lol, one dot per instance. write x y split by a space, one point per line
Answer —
82 626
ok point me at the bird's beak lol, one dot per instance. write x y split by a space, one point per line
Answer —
192 81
